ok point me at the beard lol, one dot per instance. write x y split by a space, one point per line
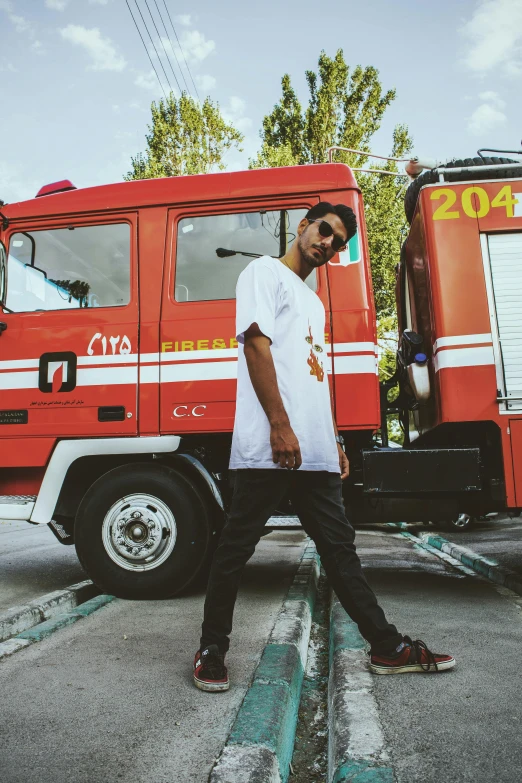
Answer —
314 260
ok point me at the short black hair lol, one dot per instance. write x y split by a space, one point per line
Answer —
346 214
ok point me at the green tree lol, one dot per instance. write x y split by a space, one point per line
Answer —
345 108
184 137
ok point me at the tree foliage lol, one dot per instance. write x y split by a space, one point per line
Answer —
184 137
345 108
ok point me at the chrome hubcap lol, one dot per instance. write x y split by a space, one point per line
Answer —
462 520
139 532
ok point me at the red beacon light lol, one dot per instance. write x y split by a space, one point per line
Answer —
56 187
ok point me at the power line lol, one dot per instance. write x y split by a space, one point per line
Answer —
154 46
173 50
163 45
182 52
145 47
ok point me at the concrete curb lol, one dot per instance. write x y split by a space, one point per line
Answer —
356 750
481 565
48 627
260 746
20 618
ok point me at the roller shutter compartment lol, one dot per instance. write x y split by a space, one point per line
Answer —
505 253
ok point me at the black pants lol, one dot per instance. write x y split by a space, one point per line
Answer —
316 497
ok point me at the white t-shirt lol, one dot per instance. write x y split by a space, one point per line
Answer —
289 313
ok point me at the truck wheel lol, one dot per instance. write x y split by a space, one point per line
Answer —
142 531
460 523
429 177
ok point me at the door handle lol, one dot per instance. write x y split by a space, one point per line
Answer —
111 413
3 326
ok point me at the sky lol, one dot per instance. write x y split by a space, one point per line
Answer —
77 82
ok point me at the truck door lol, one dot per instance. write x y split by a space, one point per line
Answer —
68 354
207 249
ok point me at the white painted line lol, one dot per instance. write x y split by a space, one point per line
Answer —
464 357
150 373
107 376
462 339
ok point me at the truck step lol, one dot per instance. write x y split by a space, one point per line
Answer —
278 522
18 507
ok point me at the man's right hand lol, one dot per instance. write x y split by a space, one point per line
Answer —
285 446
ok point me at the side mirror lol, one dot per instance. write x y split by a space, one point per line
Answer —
3 274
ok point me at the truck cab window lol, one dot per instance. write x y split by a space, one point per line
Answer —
210 250
69 268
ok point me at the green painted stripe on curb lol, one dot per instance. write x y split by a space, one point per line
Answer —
93 605
362 772
45 629
268 715
281 664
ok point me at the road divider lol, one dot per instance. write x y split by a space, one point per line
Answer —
484 566
20 618
60 619
261 742
356 747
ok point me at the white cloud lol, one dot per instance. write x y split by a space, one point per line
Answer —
486 118
61 5
101 50
205 81
235 113
57 5
148 81
492 97
195 46
20 23
184 19
495 35
8 67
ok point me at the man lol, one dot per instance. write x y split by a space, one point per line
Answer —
284 443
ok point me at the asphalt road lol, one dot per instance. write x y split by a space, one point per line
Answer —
88 705
463 725
33 562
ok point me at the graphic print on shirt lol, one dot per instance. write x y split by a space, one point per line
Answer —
316 367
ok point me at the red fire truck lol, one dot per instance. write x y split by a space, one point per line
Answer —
118 361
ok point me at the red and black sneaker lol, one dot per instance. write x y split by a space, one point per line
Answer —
210 672
411 656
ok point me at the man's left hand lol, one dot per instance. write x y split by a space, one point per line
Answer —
343 462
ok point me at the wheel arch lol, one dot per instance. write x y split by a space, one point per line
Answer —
70 476
76 464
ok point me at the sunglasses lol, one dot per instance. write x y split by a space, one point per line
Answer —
325 229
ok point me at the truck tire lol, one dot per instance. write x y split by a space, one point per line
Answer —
430 177
142 531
